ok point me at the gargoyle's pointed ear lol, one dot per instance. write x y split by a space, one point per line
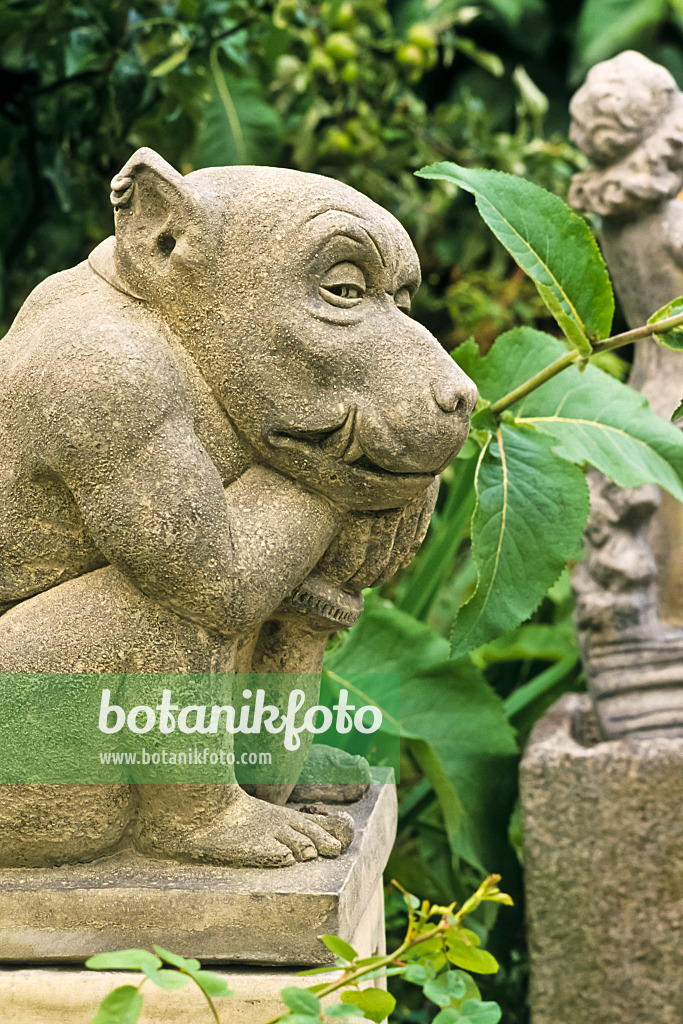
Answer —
148 188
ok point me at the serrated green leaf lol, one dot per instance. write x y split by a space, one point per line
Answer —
374 1003
300 1000
593 418
124 959
122 1006
176 960
674 337
339 947
168 980
211 984
550 242
528 522
473 1011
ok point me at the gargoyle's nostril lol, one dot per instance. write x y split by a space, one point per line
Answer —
455 398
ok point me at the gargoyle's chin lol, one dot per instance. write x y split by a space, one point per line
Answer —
360 484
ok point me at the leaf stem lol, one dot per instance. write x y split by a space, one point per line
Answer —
535 382
208 998
639 332
570 358
386 961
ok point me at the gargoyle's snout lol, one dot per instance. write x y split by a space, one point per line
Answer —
455 396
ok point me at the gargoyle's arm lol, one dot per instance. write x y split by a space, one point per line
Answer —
156 507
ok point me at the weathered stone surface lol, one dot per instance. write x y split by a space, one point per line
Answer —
603 849
214 434
244 915
69 995
628 119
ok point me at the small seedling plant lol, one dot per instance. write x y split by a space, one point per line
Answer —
436 954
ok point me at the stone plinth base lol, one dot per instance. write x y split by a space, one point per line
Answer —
603 848
219 915
67 995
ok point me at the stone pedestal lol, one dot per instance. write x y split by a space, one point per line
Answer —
603 848
51 920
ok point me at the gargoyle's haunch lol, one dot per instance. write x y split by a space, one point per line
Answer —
213 435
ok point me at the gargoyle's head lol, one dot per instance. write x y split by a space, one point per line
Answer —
292 292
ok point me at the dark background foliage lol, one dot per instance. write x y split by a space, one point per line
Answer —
366 91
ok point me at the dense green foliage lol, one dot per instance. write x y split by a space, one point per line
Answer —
369 92
360 89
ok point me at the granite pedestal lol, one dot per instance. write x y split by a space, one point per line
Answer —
603 849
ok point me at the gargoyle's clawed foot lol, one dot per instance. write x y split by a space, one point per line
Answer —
252 833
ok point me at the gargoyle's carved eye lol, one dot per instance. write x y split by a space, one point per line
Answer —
343 285
402 300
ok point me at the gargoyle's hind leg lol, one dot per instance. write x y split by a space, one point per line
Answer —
97 623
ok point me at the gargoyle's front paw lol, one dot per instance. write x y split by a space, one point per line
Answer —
252 833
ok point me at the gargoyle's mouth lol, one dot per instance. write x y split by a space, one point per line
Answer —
341 444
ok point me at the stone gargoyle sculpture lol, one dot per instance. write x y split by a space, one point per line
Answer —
214 434
628 120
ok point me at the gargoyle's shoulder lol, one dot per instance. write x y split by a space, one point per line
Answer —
77 327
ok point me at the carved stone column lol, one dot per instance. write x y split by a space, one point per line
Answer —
628 119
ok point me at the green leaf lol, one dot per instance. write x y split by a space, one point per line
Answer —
677 413
339 947
122 1006
550 242
239 126
473 1011
592 417
303 1018
211 984
606 27
300 1000
674 337
529 519
168 980
176 960
455 723
447 1016
416 974
374 1003
343 1010
124 959
467 956
447 986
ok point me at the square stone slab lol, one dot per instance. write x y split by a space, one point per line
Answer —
229 915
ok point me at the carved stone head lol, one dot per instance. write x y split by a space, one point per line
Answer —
291 292
628 120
